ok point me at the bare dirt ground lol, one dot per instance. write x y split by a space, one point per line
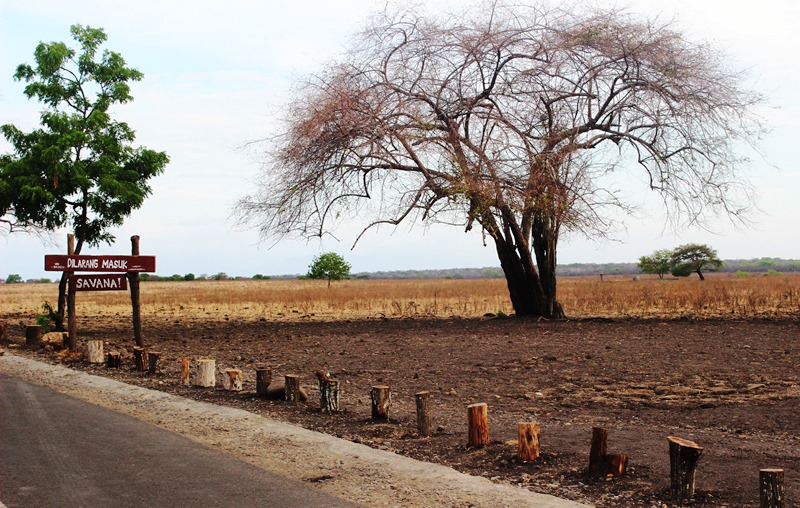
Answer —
731 386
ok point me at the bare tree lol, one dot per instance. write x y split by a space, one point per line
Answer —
515 119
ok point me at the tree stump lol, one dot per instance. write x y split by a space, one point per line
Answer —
328 392
94 351
292 387
597 451
185 364
205 375
263 380
528 441
615 464
113 361
33 336
424 420
381 396
153 362
232 381
140 358
683 457
478 424
771 487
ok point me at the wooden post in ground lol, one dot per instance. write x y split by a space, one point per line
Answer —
292 387
597 451
133 282
232 380
185 364
424 421
206 375
114 361
381 396
263 380
478 424
328 392
33 336
528 441
140 358
153 362
771 487
683 457
72 323
94 351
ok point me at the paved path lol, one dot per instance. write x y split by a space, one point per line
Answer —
58 451
340 468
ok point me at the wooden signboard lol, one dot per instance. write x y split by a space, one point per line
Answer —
64 263
105 282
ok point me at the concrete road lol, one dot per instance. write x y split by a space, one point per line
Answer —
58 451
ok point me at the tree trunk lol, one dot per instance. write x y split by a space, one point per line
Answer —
700 274
528 441
185 364
94 351
33 336
58 319
477 425
683 457
381 396
206 375
292 387
263 380
771 487
424 420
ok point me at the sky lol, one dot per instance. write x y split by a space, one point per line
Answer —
216 76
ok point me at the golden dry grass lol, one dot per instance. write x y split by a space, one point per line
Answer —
719 296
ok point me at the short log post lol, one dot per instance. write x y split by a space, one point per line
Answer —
33 336
292 387
94 351
424 420
771 487
113 361
328 392
528 441
153 362
597 451
232 381
205 375
263 380
381 396
478 424
185 364
140 358
683 457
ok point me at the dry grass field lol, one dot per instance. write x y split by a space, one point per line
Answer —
720 296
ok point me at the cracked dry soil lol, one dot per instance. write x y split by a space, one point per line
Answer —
731 386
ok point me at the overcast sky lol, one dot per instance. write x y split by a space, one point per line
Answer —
217 75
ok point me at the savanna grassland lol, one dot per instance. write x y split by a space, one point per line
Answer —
716 362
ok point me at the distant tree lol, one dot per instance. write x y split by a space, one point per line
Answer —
659 263
694 258
329 266
188 276
519 118
79 168
13 278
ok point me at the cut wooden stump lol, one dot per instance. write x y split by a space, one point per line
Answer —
478 424
328 392
232 380
424 420
292 387
153 362
597 451
205 375
683 457
381 396
33 336
771 487
140 358
528 441
94 351
113 360
185 365
263 380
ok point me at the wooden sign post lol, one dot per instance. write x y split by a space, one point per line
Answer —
127 270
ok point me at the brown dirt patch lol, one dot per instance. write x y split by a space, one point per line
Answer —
732 386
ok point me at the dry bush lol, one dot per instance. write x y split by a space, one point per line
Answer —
719 296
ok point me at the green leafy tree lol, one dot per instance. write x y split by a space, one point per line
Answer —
13 278
79 168
695 258
659 262
329 266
